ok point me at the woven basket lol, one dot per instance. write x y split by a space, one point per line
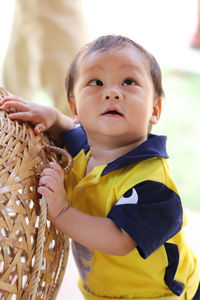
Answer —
33 253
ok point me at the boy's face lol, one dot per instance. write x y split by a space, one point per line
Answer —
114 96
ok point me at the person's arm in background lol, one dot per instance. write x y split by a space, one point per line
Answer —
195 40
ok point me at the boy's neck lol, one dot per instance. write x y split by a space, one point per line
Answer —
102 154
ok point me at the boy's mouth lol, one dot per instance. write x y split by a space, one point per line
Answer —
113 112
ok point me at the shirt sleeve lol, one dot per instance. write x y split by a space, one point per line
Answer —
150 213
75 140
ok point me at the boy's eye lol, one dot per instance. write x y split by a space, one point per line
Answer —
96 82
129 81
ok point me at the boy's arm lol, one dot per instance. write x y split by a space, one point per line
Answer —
97 233
63 123
44 118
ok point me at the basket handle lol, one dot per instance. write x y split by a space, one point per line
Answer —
39 250
62 152
41 226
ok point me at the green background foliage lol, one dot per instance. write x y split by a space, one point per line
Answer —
180 122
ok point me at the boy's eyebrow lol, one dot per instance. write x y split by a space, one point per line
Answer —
94 67
131 66
89 69
123 66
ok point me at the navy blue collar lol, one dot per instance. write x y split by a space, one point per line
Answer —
154 146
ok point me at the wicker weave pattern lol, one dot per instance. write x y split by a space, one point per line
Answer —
22 158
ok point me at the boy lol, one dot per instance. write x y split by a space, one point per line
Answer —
123 210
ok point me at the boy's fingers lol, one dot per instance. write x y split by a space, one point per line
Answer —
48 182
51 172
13 98
55 171
13 104
57 168
47 172
42 190
24 116
39 128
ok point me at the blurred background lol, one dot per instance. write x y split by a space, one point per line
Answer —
163 27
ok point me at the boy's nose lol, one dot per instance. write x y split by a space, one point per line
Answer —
113 94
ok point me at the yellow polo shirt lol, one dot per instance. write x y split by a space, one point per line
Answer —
137 192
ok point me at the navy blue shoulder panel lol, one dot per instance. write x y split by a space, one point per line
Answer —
150 213
75 140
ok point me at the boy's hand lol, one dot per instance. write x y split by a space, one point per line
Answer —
43 117
51 186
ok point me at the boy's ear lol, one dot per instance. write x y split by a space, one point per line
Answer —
157 107
72 105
